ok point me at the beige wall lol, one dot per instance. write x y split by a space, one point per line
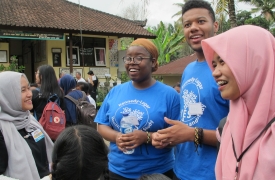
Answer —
62 45
5 46
171 80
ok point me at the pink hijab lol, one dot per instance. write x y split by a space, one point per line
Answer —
249 51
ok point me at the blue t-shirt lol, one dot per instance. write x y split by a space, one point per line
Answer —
199 86
149 107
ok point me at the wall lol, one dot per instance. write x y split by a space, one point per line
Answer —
5 46
171 80
62 44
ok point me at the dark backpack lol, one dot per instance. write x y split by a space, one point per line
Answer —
53 118
85 110
220 129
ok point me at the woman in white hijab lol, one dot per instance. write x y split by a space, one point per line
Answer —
25 148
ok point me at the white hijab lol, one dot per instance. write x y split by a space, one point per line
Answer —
21 164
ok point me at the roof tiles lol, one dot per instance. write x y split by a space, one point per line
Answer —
175 67
64 15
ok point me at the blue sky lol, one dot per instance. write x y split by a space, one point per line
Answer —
158 10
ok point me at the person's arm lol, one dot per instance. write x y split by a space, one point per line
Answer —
209 137
180 133
3 154
124 141
108 133
91 80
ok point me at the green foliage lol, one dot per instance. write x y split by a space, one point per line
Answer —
13 66
266 7
101 94
168 42
258 21
242 17
224 8
2 67
124 77
125 42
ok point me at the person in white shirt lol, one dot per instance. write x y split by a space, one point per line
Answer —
78 77
83 86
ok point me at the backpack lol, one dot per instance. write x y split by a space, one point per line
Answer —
85 110
220 129
53 118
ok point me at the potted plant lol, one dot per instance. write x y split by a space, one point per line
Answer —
114 81
13 65
108 78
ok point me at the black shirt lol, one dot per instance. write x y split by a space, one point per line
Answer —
38 151
93 89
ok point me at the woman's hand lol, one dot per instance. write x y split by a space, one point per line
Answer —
131 140
157 141
173 135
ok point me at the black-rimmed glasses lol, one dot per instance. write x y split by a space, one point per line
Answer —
136 60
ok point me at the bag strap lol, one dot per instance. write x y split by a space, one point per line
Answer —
84 97
39 96
56 100
71 99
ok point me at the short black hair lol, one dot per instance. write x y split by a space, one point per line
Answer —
90 73
191 4
83 86
176 85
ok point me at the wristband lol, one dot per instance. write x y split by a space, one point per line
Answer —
148 137
198 138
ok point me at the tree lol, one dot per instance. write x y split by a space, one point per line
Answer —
223 7
134 12
258 21
168 41
144 5
266 7
226 7
273 31
242 16
179 13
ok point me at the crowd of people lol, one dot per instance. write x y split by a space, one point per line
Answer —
155 132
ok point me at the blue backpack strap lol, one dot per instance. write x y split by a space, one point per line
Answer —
34 115
34 112
54 98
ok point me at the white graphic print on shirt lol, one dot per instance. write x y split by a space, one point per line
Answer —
136 109
191 94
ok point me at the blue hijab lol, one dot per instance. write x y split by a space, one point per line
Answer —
67 83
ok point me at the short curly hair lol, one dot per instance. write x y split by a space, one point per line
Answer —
191 4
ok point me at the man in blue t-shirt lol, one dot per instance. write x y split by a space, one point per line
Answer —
202 106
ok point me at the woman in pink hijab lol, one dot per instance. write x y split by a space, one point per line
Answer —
243 64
